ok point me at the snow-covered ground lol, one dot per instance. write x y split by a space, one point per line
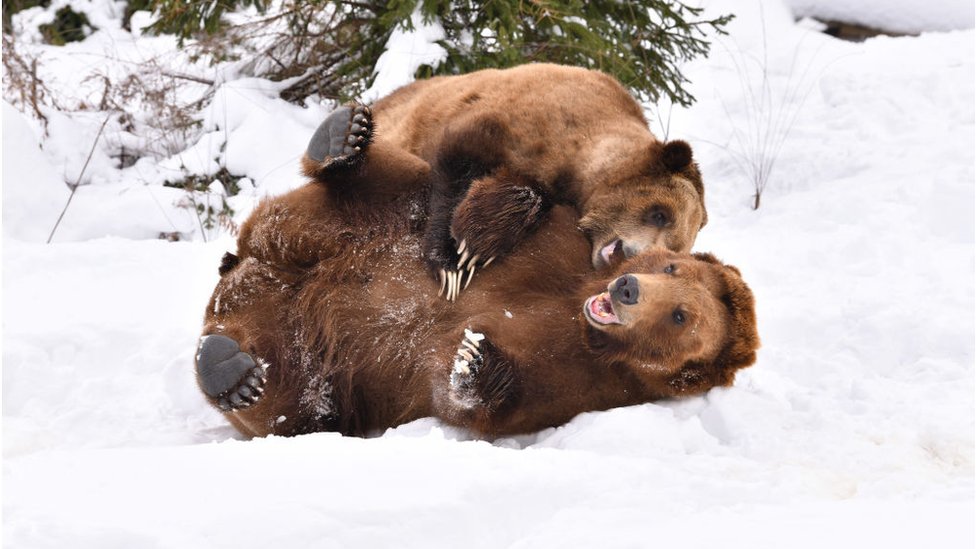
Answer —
855 428
898 16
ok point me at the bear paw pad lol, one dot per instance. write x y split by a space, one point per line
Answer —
228 375
341 139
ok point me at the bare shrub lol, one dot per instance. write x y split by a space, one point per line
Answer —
21 85
770 114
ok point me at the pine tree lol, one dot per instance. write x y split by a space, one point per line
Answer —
329 47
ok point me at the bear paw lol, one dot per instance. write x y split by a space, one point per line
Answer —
228 375
455 280
467 361
341 139
497 213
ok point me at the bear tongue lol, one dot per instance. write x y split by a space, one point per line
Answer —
601 309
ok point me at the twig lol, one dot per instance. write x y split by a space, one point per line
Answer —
189 77
74 187
196 210
665 126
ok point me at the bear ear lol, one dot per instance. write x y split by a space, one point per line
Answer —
743 331
227 263
676 155
709 258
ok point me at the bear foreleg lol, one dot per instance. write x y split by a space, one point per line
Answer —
497 213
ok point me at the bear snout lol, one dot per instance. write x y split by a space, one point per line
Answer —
625 290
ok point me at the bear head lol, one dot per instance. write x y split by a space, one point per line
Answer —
682 323
659 202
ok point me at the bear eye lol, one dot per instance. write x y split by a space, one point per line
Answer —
657 217
669 269
678 317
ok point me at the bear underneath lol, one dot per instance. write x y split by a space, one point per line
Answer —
317 324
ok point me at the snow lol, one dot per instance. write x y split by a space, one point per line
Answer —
855 428
902 16
31 204
405 52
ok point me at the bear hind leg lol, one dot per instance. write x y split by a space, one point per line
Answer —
345 155
339 142
230 377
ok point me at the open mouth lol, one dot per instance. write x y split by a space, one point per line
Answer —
599 310
613 249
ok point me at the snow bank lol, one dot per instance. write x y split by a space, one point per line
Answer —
901 16
33 192
855 428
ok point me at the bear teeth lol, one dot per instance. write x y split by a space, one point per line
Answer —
600 309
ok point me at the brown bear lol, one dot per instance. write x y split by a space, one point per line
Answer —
327 322
497 148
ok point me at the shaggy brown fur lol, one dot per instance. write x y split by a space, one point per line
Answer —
546 134
356 340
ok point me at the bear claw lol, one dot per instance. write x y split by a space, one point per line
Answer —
341 138
232 377
467 360
455 280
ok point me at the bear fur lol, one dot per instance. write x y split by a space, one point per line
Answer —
498 148
347 333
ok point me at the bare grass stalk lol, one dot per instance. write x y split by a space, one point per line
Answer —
770 116
74 188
